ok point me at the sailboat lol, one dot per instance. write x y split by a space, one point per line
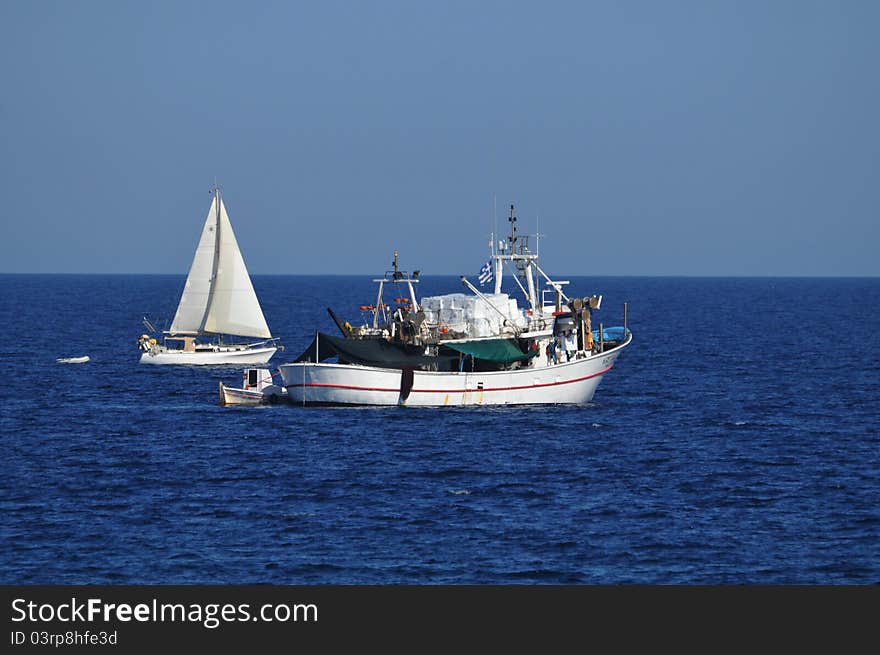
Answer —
218 300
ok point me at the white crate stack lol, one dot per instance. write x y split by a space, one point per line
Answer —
471 315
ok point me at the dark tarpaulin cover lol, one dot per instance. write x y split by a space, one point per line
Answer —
369 352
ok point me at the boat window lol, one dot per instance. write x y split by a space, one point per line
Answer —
252 377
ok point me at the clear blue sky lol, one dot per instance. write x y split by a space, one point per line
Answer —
650 138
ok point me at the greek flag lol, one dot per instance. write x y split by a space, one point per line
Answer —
486 273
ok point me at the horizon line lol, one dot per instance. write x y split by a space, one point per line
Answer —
627 275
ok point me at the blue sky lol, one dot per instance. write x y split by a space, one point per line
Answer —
648 138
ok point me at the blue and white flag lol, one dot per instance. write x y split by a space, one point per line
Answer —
486 274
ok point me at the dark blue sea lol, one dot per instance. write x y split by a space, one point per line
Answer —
736 441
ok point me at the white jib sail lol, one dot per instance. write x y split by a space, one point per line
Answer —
233 306
196 293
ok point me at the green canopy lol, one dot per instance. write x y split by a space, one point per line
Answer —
504 351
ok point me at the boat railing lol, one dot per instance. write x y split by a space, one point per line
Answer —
272 341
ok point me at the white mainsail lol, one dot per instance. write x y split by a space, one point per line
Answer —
197 291
218 297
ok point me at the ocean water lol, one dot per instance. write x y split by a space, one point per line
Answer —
736 441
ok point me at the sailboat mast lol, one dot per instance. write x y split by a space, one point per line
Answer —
217 240
216 263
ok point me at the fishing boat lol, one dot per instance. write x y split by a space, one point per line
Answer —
218 302
464 349
257 388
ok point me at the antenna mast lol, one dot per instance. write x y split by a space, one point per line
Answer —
512 237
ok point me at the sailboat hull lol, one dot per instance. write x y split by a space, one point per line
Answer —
218 357
572 382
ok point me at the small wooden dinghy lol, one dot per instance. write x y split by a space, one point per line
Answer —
73 360
257 389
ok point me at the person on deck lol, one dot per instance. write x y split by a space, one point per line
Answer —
550 351
570 344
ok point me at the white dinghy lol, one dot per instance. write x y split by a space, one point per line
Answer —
256 388
73 360
218 300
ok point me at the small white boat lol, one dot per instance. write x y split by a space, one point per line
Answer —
73 360
257 389
460 349
218 299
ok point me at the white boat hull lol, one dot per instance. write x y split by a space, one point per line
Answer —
73 360
234 396
572 382
218 357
